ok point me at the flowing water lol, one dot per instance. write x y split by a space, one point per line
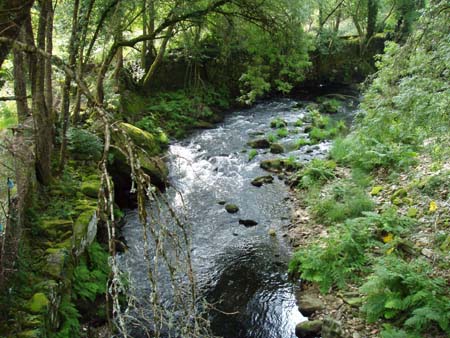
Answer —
241 269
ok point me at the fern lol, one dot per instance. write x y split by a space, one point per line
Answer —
403 291
70 315
90 281
335 260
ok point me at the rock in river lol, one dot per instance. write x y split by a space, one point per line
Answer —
309 329
231 208
248 222
276 148
259 144
259 181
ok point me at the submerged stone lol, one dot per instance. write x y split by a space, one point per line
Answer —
231 208
248 222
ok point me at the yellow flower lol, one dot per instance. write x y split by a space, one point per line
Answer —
433 206
390 250
388 238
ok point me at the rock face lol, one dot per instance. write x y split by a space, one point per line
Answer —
259 144
231 208
309 303
276 148
309 329
260 181
248 222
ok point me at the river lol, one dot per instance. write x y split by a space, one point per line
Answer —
243 270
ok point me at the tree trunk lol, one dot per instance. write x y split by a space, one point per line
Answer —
42 120
144 32
48 64
149 76
372 14
80 64
20 86
12 15
65 105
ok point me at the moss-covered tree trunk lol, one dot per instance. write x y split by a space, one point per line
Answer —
65 106
42 119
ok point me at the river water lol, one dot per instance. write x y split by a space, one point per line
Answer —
243 270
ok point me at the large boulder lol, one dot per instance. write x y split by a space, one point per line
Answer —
143 139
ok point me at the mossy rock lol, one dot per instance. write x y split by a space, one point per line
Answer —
277 165
259 144
203 125
309 329
55 262
260 181
90 188
38 303
33 321
155 167
55 227
29 334
376 190
231 208
278 123
276 148
141 138
81 236
330 106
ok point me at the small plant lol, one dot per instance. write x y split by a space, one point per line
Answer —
272 138
303 142
282 132
252 154
298 123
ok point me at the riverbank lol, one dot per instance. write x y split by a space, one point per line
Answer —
421 195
